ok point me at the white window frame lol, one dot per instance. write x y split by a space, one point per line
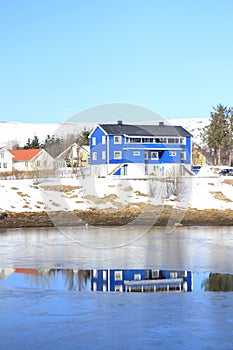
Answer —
117 152
172 153
183 155
117 139
94 155
93 141
103 139
118 275
156 157
104 275
119 288
136 153
137 277
103 155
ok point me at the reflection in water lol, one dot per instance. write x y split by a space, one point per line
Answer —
141 280
116 280
218 282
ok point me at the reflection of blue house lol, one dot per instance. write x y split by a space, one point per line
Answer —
141 280
139 150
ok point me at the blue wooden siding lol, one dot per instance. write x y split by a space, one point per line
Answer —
135 152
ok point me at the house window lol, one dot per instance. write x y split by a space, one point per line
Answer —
183 155
136 153
172 154
103 155
173 274
94 155
118 288
117 139
103 140
118 275
0 165
93 141
117 155
4 165
154 155
26 163
183 140
2 155
37 163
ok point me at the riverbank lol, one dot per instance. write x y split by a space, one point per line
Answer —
204 200
156 216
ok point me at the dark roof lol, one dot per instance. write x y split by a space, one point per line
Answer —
145 130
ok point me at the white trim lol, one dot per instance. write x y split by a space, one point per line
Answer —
93 130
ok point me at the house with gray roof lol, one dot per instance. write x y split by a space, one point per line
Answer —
139 150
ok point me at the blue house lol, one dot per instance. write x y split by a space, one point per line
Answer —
140 280
139 150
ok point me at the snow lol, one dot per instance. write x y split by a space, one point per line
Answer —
68 194
20 132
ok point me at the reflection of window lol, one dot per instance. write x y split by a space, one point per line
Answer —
104 275
103 154
173 275
154 155
95 273
136 153
172 154
117 155
94 286
93 141
118 275
117 139
104 288
137 276
155 273
94 155
118 289
103 140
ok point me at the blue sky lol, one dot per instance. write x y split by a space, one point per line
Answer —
61 57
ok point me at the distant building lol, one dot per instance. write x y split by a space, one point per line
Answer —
6 163
139 150
140 280
32 159
75 156
198 156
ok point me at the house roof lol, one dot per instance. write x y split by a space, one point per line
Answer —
25 154
145 130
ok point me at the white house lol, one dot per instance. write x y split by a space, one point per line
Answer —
32 159
5 160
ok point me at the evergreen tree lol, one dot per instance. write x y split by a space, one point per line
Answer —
217 134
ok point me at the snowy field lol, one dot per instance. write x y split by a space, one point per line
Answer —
206 191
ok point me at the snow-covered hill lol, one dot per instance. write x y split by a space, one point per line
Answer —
20 132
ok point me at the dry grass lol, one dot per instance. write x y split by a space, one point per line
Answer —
21 194
138 193
61 188
220 196
228 182
97 200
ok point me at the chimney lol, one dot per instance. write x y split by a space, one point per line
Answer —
119 122
161 123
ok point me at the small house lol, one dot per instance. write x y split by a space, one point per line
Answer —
32 159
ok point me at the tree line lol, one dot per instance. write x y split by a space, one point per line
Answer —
218 135
55 145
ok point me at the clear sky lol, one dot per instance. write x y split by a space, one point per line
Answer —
59 57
